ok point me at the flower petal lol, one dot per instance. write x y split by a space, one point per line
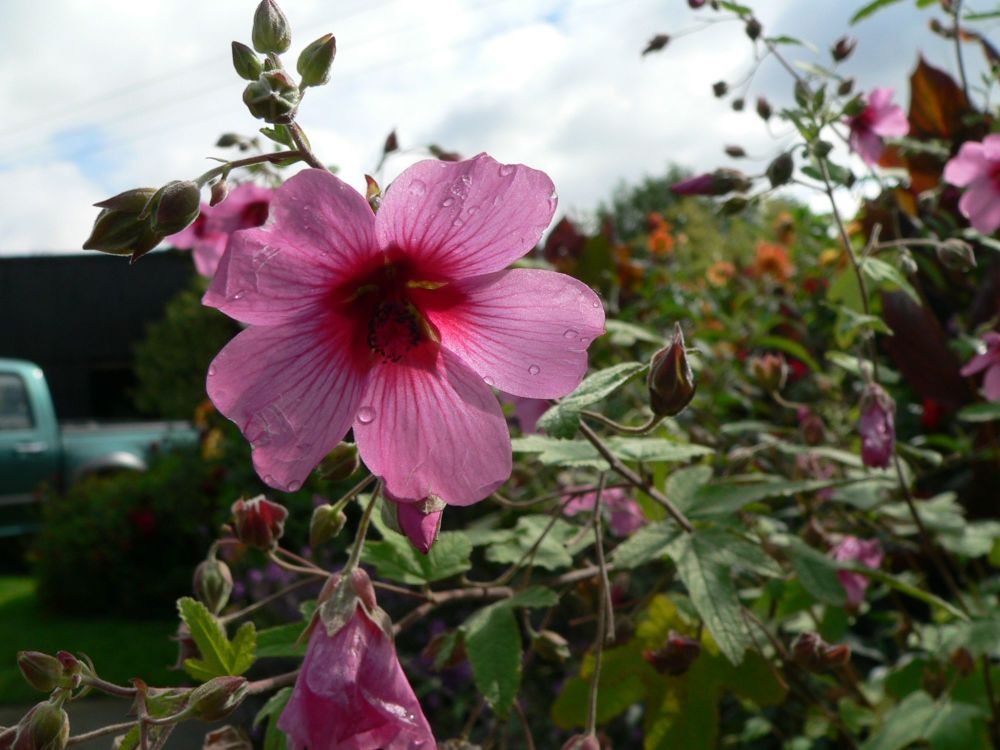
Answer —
433 428
968 165
466 218
524 331
980 204
991 383
292 390
420 528
979 363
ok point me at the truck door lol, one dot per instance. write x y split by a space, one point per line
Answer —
29 453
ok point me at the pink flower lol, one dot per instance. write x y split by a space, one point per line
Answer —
246 206
990 362
879 119
527 411
977 168
351 693
397 325
867 552
622 511
419 521
877 427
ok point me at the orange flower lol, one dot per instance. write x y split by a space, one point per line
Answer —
720 273
773 260
831 257
660 241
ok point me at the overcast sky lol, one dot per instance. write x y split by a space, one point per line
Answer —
99 97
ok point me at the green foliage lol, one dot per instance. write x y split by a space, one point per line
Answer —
219 655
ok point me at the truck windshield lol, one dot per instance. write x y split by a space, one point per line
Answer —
15 413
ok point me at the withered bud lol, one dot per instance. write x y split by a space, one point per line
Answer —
674 657
327 521
753 28
259 522
391 143
657 43
720 89
956 254
670 382
41 671
963 661
248 66
814 654
213 583
315 61
763 108
843 48
271 32
735 152
217 698
779 171
737 104
769 371
845 87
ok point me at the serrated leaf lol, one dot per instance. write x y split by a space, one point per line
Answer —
493 644
243 648
281 641
645 545
398 560
722 498
552 552
704 570
219 656
580 453
817 573
622 683
945 724
683 484
561 419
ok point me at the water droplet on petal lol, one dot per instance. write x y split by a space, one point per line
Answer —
418 187
570 333
269 480
211 370
506 170
366 415
472 209
489 381
584 340
293 486
447 202
534 370
457 223
239 294
595 304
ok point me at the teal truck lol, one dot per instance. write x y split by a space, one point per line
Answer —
36 448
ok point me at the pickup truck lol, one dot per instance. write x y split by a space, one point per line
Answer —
35 448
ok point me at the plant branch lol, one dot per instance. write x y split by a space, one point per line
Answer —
299 139
268 684
124 726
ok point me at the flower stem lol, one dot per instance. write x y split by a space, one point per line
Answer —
359 540
598 520
300 140
229 166
624 429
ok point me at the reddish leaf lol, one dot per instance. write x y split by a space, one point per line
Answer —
937 104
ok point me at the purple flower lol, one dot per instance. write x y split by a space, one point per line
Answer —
622 511
867 552
977 169
877 427
879 119
990 362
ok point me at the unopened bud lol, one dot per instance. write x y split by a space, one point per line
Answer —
186 647
273 97
340 463
779 171
845 87
843 48
735 152
326 523
769 371
362 586
551 646
582 742
657 43
258 522
695 4
753 28
316 60
737 105
956 254
271 32
763 108
877 427
814 654
213 583
46 727
822 149
220 191
906 263
674 657
246 63
373 193
175 206
720 89
41 671
733 206
717 183
391 143
122 228
217 698
670 382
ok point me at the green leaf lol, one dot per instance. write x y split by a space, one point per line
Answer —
704 570
552 552
219 656
852 365
740 10
532 597
988 412
945 724
626 334
398 560
580 453
493 644
884 275
622 683
648 543
561 419
870 8
981 636
274 738
817 573
723 498
281 641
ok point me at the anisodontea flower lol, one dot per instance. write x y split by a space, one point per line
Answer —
245 207
879 119
621 510
988 362
351 693
877 427
398 325
867 552
976 168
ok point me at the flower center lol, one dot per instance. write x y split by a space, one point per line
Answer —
394 329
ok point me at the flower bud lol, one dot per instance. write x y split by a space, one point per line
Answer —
738 104
121 228
326 523
582 742
373 193
877 427
220 191
340 463
213 583
753 28
362 586
227 738
963 661
186 647
674 657
735 152
845 87
655 44
843 48
812 426
273 97
763 108
247 64
41 671
716 183
695 4
551 646
315 61
271 32
720 89
733 206
258 522
906 263
45 727
769 371
814 654
217 698
779 171
956 254
175 206
670 381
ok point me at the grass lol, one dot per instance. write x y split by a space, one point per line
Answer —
119 648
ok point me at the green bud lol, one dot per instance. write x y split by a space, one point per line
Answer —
273 97
247 64
271 32
373 193
315 61
326 523
217 698
213 583
175 206
122 227
340 463
957 255
822 149
45 727
670 382
733 206
41 671
769 371
779 171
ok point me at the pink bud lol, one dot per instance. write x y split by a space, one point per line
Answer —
258 522
877 427
362 586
